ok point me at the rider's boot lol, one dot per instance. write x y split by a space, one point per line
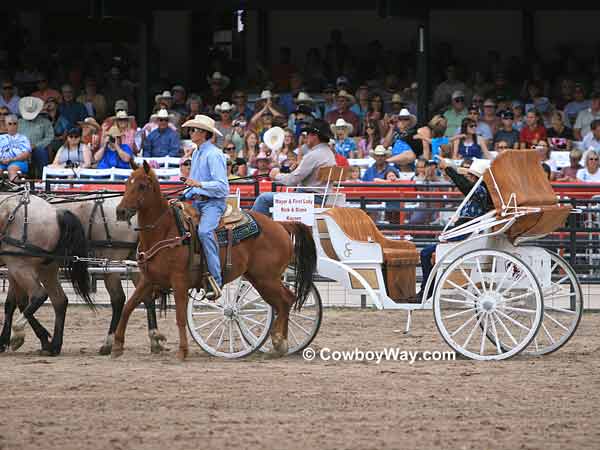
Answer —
213 291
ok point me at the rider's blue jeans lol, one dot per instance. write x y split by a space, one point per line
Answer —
210 215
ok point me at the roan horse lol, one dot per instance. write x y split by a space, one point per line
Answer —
261 259
36 239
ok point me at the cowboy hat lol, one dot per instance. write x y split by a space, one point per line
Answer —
225 106
30 107
218 77
122 115
165 94
267 94
89 122
346 95
405 113
303 97
114 131
380 150
341 123
204 123
273 138
162 114
478 167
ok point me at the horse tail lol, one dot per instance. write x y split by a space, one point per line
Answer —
72 243
304 259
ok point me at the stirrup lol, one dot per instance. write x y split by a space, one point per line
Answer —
214 291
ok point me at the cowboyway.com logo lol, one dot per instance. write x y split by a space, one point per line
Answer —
376 356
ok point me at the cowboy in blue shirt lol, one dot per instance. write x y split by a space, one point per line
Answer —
163 141
209 191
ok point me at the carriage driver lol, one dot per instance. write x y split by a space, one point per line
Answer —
209 191
479 204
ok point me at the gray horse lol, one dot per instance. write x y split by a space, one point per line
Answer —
112 240
36 239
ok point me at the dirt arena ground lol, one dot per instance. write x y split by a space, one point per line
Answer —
84 401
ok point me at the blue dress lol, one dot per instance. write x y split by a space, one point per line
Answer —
470 151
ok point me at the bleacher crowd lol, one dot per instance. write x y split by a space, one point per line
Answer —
84 122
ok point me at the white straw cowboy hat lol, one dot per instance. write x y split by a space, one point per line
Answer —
341 123
204 123
30 107
478 167
267 94
380 150
89 122
405 113
122 115
346 95
218 77
225 106
303 97
273 138
162 114
165 94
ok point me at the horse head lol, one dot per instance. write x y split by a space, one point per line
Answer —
141 191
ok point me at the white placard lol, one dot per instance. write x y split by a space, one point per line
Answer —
288 206
561 158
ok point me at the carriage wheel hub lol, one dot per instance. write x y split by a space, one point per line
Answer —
229 312
488 303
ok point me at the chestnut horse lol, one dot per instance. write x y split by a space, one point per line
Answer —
261 259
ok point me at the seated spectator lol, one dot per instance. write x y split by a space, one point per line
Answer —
570 173
435 143
586 117
70 109
371 139
502 146
300 119
590 173
328 100
467 144
289 165
560 137
120 105
94 103
9 97
4 111
544 152
420 172
534 130
340 160
289 145
343 102
153 125
456 113
519 118
184 169
163 141
344 145
90 136
390 176
506 132
179 105
241 111
44 90
375 113
194 106
361 107
73 153
217 92
14 149
578 104
380 167
114 153
592 139
545 108
126 124
401 136
443 91
263 118
37 129
490 118
354 174
225 122
483 129
263 166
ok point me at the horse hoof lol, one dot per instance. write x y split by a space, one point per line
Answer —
16 342
181 355
117 350
280 346
47 352
105 350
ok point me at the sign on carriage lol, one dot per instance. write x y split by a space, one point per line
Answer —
288 206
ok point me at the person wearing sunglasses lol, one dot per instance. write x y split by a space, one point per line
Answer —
468 144
456 113
506 132
8 97
73 153
15 149
590 172
4 111
163 141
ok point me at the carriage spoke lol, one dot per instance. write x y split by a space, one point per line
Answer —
250 335
207 313
452 300
464 273
220 341
460 288
514 321
505 328
205 324
499 285
302 316
562 310
516 297
566 277
547 333
251 301
300 326
291 330
216 306
522 310
464 311
514 283
230 336
240 334
557 322
250 319
215 328
472 332
553 268
495 332
483 335
481 274
474 316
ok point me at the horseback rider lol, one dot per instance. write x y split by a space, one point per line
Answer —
209 191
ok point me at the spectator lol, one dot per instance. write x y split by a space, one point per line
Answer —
397 104
185 167
14 149
126 124
375 113
242 111
391 176
592 139
560 137
371 139
59 123
4 111
344 145
586 116
263 118
95 103
519 118
44 91
163 141
420 172
455 115
179 105
544 152
70 109
250 149
263 166
9 98
225 123
361 107
570 173
289 145
380 167
483 129
590 173
354 174
566 94
435 143
546 109
304 104
300 119
343 102
405 148
501 87
441 95
534 130
328 100
579 103
37 129
121 106
490 118
90 136
217 93
73 153
193 106
114 153
502 146
468 144
506 132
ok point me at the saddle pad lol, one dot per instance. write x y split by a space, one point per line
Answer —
248 228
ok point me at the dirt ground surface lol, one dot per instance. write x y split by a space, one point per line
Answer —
81 400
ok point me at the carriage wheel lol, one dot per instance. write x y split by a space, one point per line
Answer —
487 293
563 308
235 325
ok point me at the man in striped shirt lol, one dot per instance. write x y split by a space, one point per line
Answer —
14 149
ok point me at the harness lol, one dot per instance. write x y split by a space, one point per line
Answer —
108 242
